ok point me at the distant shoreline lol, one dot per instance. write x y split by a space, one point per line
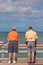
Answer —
18 31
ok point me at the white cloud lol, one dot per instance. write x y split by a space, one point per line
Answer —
23 8
9 6
37 14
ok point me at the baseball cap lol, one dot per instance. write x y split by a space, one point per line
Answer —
13 28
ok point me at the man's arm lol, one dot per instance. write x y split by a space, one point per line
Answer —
35 42
25 41
36 39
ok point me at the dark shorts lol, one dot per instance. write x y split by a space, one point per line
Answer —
12 47
31 47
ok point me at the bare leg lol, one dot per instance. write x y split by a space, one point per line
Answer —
14 56
28 56
32 56
10 56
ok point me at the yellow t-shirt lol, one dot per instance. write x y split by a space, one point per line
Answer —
13 36
31 35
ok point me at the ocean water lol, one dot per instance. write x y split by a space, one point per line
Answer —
3 37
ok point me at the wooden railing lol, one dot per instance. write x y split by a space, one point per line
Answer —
20 46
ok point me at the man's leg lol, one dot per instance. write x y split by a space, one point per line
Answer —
10 56
29 57
35 56
32 56
33 51
15 58
29 50
10 52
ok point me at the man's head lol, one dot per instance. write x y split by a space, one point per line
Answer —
30 28
13 29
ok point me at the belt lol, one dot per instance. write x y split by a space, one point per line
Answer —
13 41
30 41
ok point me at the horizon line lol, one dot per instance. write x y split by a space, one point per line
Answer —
20 31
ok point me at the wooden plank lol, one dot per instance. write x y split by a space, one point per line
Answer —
20 64
23 45
26 47
22 51
38 51
14 64
1 42
25 60
20 59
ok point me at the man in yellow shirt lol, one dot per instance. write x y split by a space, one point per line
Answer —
12 38
31 37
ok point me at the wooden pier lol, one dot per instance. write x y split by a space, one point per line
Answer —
20 61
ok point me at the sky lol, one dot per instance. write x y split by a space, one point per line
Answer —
21 14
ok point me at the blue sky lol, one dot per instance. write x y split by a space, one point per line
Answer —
21 14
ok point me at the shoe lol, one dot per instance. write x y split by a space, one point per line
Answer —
9 62
33 62
16 59
28 62
14 62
